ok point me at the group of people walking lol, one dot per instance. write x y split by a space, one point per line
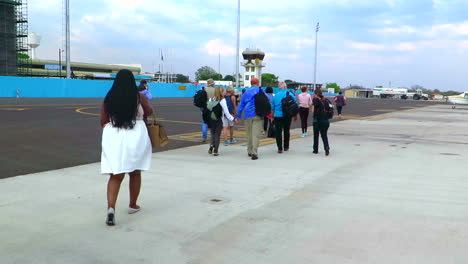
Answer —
126 147
257 124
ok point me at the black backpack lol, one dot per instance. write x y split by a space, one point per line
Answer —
200 98
262 104
289 106
326 112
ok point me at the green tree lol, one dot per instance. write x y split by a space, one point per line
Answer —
229 78
217 77
205 73
269 79
180 78
20 55
335 86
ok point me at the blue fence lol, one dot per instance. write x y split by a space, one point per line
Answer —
73 88
54 87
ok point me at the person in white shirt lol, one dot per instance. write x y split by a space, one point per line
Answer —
305 101
216 126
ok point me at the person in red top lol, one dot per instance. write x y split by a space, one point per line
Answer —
340 101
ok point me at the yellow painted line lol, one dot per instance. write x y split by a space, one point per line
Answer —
376 119
14 109
347 117
384 110
80 110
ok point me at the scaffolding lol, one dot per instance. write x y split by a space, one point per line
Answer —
14 49
22 48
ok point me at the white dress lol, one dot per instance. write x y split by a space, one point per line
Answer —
126 150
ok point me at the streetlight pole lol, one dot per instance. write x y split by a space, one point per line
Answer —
67 36
315 67
238 43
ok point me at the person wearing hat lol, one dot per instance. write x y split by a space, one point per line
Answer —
253 122
210 89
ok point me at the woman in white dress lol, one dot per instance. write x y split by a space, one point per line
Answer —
126 147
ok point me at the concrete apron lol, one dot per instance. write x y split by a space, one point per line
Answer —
393 190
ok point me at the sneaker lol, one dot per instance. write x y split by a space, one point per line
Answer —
232 141
226 143
303 135
210 150
216 154
254 157
110 220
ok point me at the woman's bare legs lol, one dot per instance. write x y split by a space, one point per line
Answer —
134 187
113 187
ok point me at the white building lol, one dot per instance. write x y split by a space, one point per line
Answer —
253 65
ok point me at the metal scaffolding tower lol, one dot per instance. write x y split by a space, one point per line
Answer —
22 48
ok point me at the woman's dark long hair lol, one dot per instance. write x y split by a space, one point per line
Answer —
122 100
318 93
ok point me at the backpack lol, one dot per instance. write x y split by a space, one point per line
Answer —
326 112
200 98
289 106
262 104
229 103
215 110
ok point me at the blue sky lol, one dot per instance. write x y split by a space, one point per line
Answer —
363 42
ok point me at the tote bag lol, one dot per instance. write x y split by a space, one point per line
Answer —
157 133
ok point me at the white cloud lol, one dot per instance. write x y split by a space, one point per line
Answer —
406 46
259 31
396 30
288 56
365 46
217 46
304 42
459 29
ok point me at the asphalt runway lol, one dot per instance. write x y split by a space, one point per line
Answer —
41 134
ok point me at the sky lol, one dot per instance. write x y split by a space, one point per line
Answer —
390 43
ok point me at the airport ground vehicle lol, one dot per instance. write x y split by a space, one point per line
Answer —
401 93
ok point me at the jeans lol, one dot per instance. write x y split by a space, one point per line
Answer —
204 127
322 129
304 114
282 124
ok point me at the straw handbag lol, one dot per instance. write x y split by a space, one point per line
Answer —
157 133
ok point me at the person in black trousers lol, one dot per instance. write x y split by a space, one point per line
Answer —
282 120
267 120
321 122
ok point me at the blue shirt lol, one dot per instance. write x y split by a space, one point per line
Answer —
276 105
247 103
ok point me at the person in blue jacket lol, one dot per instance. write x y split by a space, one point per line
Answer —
282 122
253 122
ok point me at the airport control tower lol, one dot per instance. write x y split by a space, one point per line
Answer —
253 65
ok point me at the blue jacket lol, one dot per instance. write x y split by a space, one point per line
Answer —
276 105
247 103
